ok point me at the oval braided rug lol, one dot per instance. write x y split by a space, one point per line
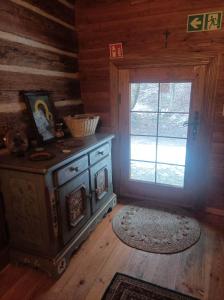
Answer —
156 230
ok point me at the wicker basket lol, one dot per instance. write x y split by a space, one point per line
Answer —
82 125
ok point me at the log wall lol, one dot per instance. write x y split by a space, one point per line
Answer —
38 50
140 25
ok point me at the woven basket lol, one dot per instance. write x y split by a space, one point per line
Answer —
82 125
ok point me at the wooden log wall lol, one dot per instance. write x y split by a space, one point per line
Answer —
140 25
38 51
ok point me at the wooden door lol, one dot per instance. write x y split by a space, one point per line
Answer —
161 133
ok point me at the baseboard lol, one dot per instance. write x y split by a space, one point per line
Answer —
215 211
4 257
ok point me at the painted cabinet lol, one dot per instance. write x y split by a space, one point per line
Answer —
52 206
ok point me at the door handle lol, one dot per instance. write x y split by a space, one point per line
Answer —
195 124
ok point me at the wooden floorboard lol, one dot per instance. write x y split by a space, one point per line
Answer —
198 271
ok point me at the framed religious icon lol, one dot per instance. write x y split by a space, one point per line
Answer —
42 113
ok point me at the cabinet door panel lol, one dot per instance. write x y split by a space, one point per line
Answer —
101 183
74 206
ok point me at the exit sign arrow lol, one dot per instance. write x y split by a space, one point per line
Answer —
195 23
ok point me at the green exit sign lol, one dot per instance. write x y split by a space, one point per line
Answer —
205 22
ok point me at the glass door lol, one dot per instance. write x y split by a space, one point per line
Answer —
161 139
159 115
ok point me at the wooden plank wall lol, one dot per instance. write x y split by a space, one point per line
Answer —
140 25
38 50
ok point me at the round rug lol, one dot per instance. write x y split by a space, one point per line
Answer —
156 230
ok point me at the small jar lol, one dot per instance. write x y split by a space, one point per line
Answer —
59 130
16 142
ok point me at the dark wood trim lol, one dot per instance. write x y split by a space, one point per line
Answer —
4 257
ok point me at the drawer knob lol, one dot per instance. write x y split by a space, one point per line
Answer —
74 169
100 153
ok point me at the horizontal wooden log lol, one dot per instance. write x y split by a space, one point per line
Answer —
16 19
20 105
56 9
21 55
37 71
34 44
42 13
18 82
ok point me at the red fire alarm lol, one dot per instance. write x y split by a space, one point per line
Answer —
116 50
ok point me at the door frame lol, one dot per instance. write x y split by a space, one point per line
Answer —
211 61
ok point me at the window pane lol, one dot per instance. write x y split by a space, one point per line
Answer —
144 123
175 97
144 96
142 171
172 175
172 125
143 148
171 151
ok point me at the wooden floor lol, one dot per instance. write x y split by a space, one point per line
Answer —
198 271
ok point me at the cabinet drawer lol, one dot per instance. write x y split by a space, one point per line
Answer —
99 153
71 170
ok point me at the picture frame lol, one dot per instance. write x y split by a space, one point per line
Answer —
42 112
